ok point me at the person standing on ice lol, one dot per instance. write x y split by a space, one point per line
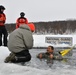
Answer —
21 20
3 30
19 43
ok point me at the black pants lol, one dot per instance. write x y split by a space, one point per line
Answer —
3 32
22 56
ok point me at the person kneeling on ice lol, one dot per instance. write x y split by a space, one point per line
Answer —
50 54
19 43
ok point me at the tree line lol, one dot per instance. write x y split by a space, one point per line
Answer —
54 27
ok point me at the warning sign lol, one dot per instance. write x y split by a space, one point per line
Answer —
59 40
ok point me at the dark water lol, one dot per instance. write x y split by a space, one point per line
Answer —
70 62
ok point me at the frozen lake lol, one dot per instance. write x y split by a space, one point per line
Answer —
36 66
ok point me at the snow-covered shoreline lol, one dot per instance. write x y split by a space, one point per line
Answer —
39 40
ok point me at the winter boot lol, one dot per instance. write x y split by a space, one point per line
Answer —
10 58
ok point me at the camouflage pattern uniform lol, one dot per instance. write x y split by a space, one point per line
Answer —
46 55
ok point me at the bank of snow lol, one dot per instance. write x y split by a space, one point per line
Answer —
40 40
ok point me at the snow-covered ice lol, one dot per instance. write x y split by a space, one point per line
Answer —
35 66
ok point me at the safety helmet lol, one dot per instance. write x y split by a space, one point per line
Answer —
2 7
22 14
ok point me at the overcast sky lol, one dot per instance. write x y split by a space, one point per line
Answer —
40 10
